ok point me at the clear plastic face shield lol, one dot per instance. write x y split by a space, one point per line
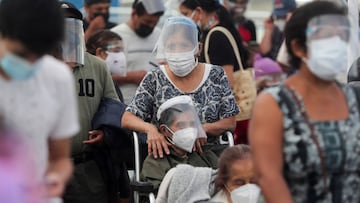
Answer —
178 36
115 46
327 26
328 38
73 47
179 122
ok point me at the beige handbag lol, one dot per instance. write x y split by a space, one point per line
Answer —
244 81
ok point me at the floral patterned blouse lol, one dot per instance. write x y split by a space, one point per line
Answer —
339 142
213 97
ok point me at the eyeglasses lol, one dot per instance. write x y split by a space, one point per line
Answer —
114 48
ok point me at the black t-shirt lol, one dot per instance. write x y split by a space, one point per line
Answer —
221 52
108 25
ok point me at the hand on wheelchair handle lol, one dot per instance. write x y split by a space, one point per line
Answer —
157 144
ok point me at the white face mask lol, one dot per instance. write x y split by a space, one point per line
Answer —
181 64
116 62
184 138
248 193
327 57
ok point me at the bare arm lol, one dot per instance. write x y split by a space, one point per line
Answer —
156 141
96 24
265 45
265 134
219 127
229 70
60 166
132 77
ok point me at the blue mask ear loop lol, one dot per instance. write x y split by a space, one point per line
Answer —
168 138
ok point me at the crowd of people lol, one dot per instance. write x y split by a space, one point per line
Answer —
74 87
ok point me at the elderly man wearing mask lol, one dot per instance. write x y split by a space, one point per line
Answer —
93 84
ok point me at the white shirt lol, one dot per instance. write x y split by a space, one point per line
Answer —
40 108
138 54
283 56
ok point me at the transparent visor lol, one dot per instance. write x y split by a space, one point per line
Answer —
115 46
179 113
179 35
73 47
328 26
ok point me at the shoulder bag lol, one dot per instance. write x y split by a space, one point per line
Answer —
244 81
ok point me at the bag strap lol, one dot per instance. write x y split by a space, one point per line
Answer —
231 40
356 90
312 133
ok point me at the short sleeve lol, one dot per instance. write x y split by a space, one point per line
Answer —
283 56
220 50
142 105
67 123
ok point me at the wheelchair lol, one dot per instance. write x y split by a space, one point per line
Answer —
138 186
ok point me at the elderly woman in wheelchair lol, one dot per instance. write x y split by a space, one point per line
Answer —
179 124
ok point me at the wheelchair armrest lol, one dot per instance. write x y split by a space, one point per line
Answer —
142 187
227 138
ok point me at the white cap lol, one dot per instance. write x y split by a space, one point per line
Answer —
153 6
184 99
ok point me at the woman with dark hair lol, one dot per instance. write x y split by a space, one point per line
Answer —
206 84
208 14
305 133
109 46
236 177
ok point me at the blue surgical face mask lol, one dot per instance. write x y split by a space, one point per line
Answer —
17 68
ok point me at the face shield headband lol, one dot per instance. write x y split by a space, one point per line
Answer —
184 107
